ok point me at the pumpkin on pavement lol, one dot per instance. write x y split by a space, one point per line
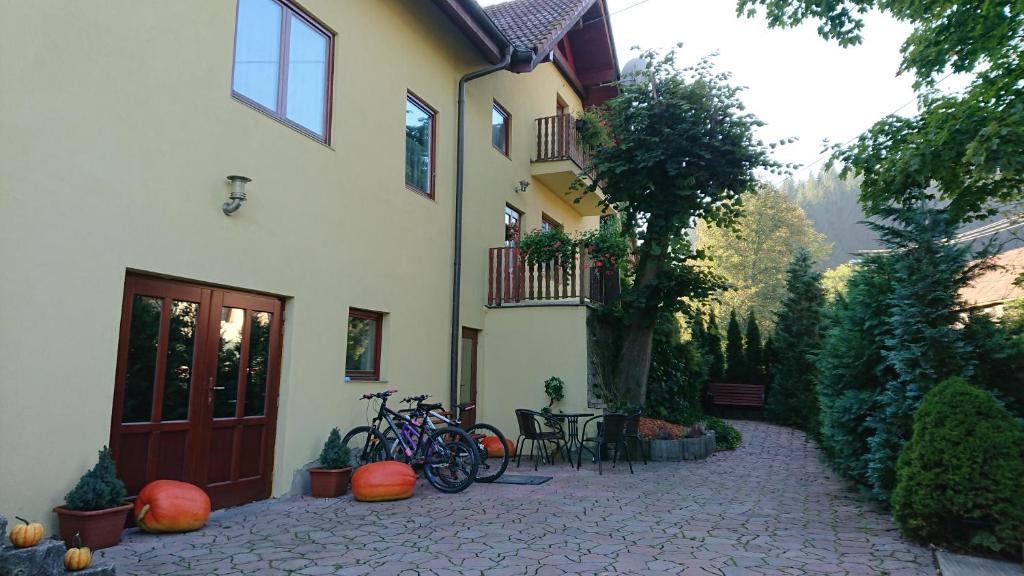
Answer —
171 506
493 446
381 481
26 534
77 558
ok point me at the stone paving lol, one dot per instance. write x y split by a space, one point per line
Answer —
770 507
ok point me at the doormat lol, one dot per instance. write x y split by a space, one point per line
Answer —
522 479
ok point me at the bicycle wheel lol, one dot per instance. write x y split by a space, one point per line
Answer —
367 445
451 460
491 466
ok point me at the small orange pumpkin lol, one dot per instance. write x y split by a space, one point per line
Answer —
26 534
493 446
381 481
78 557
171 506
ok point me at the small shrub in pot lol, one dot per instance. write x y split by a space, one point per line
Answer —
332 477
95 507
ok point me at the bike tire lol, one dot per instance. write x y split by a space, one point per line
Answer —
491 467
358 438
451 459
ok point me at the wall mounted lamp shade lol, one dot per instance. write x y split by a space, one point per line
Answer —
237 195
523 185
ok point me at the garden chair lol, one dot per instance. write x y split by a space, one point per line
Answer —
611 431
530 429
633 432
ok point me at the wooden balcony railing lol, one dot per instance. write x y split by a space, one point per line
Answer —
510 280
558 139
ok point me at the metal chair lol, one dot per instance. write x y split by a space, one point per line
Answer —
611 431
530 429
633 432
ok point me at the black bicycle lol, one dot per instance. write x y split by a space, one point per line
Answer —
490 442
448 456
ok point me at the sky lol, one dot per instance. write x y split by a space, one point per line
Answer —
797 83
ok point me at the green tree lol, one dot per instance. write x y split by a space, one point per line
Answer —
713 349
680 148
753 352
834 280
967 144
753 255
832 203
792 400
735 364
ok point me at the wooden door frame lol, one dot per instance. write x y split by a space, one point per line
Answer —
473 334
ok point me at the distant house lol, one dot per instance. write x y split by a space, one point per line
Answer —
991 291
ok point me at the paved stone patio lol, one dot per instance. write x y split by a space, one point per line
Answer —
768 508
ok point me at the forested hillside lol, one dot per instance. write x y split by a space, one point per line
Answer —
831 203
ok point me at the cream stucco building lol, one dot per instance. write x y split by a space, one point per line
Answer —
221 348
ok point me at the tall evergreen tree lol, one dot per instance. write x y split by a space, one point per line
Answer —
925 345
769 357
754 354
797 337
713 349
735 364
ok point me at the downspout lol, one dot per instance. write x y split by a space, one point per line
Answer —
460 170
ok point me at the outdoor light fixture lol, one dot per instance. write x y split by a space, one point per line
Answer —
523 185
237 195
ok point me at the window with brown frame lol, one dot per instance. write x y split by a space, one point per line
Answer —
362 355
548 223
283 61
500 128
419 145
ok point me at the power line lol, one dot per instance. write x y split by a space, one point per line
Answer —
620 10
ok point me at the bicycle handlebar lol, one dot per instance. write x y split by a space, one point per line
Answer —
419 398
381 395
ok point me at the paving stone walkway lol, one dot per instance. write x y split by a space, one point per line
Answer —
770 507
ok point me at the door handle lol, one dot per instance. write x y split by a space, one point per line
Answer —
209 391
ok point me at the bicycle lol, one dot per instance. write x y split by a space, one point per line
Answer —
491 465
449 455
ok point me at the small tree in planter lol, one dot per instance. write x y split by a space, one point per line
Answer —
331 478
95 507
554 388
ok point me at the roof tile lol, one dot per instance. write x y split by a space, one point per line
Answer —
533 24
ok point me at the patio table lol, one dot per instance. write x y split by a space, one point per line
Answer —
572 428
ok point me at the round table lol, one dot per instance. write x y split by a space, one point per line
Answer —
572 425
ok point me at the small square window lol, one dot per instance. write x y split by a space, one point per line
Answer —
499 128
362 356
419 146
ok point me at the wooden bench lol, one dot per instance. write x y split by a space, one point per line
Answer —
737 395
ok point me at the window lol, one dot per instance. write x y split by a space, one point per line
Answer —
419 146
548 223
512 231
283 64
362 357
499 128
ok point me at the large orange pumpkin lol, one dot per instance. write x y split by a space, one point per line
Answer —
171 506
380 481
493 446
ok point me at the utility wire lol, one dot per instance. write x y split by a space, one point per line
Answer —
621 10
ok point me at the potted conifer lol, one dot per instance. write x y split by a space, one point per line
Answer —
331 478
95 508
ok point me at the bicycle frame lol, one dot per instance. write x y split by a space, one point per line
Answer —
409 434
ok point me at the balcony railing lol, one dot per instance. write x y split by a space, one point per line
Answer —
511 280
558 139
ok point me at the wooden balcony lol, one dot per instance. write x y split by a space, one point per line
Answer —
561 159
511 281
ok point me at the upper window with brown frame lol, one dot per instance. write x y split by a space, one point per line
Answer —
283 60
548 223
500 128
362 356
419 145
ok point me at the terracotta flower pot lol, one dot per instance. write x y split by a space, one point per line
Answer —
329 483
97 528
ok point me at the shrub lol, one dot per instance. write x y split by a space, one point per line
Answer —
960 479
97 489
726 437
554 388
552 245
335 455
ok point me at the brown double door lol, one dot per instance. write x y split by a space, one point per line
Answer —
195 395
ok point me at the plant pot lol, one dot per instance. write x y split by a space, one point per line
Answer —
700 447
328 482
665 450
97 528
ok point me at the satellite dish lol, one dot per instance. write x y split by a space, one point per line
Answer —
636 71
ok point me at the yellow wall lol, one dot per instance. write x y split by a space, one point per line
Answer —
116 139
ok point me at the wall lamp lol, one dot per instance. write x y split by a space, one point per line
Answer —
523 185
237 195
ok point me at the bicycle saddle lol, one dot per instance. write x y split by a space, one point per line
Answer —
429 407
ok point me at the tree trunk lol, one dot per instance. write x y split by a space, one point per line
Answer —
634 363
